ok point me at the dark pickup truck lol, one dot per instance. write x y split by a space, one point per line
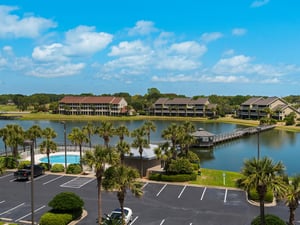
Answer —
25 173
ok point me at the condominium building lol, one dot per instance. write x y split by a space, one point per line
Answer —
199 107
93 105
271 107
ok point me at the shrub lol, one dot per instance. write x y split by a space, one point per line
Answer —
24 163
45 166
180 166
56 168
253 195
10 162
74 169
270 220
55 218
67 202
173 178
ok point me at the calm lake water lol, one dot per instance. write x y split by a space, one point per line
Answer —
279 145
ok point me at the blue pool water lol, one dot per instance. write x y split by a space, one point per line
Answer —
61 159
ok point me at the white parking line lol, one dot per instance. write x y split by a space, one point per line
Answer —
2 201
203 194
7 175
145 185
56 178
181 191
161 190
162 222
225 195
135 219
7 211
18 220
37 178
77 183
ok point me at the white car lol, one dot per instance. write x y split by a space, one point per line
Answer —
116 214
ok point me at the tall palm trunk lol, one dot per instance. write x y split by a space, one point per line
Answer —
121 198
99 184
141 161
262 190
292 215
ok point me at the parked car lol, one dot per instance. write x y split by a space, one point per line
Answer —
25 173
116 215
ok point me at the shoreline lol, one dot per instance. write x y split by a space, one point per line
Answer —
227 119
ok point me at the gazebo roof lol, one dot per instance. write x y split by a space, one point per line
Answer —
202 133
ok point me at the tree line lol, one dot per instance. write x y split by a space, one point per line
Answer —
41 102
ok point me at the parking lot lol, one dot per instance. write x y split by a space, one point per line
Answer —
161 204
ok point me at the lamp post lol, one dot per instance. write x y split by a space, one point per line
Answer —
65 144
30 143
258 129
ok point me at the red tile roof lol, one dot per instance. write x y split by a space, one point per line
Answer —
91 99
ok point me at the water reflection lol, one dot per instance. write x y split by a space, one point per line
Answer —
279 145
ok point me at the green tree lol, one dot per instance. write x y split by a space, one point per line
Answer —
120 179
106 131
172 133
292 198
140 143
48 145
90 130
149 126
78 137
4 135
263 175
15 137
98 159
122 131
33 133
123 148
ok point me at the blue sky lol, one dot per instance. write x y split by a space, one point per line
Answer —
191 47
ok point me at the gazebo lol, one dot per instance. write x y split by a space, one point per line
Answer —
203 138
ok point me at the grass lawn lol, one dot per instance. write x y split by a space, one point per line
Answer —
220 178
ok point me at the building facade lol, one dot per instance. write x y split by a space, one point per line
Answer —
271 107
93 105
183 107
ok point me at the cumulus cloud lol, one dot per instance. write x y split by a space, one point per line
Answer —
208 37
143 27
57 70
129 48
80 41
259 3
239 31
191 48
13 26
84 40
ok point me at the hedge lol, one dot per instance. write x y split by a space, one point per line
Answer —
55 219
270 220
57 168
173 178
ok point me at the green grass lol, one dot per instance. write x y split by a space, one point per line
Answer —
210 177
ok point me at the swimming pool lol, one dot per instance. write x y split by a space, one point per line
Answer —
55 159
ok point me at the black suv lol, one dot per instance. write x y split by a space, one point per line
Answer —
25 173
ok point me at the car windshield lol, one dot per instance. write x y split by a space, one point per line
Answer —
116 215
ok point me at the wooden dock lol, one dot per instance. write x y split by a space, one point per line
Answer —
220 138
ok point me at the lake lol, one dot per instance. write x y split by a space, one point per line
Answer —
279 145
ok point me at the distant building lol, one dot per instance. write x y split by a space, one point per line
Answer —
271 107
183 107
93 105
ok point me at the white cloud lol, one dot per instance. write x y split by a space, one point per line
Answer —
129 48
208 37
57 70
259 3
143 27
239 31
3 62
235 64
80 41
190 48
12 25
177 63
83 40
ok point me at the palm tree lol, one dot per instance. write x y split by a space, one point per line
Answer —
149 126
106 131
4 135
120 179
48 145
98 159
263 175
123 148
122 131
15 137
293 197
186 138
164 153
89 129
139 142
78 137
33 133
172 133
